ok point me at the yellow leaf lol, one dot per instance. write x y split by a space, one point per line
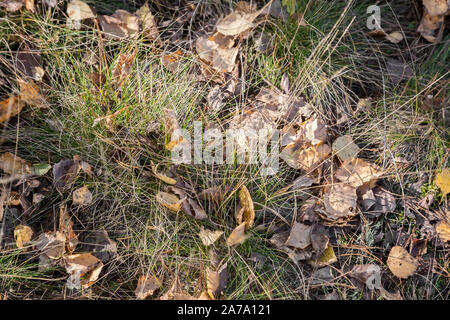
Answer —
327 257
443 231
23 235
168 200
443 181
238 235
246 202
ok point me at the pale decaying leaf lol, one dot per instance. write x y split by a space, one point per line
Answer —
307 159
367 274
146 286
246 202
401 263
211 194
357 172
120 25
122 67
433 17
189 206
208 237
11 5
83 270
216 281
443 181
77 11
66 228
238 235
163 177
339 202
217 51
315 131
147 21
22 235
176 292
345 148
170 201
300 236
172 61
82 196
13 164
51 244
443 231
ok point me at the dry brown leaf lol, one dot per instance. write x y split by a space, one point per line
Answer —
366 274
246 202
13 165
10 107
147 21
394 37
300 236
64 173
146 286
29 64
121 24
443 181
22 235
12 5
83 270
401 263
170 201
216 281
340 202
208 237
172 61
443 231
52 244
433 17
238 235
237 22
76 12
122 68
66 228
82 196
345 148
357 172
211 194
29 5
307 159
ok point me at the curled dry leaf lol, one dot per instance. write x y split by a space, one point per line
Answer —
189 205
22 235
238 235
357 172
66 228
345 148
176 292
366 274
443 231
216 281
401 263
238 22
146 286
307 159
443 181
394 37
246 202
64 173
13 164
315 131
433 17
122 68
163 177
100 245
170 201
76 12
82 196
211 194
83 270
208 237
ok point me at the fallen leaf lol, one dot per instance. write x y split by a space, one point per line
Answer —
300 236
10 107
13 164
39 169
163 177
401 263
146 286
246 202
29 5
315 131
176 292
345 148
328 257
22 235
52 244
307 159
211 194
236 23
83 270
121 68
398 70
188 205
172 61
77 11
395 37
357 172
443 231
443 181
216 281
121 24
100 245
147 21
433 17
29 64
340 202
82 196
418 247
238 235
208 237
367 274
170 201
66 228
64 173
12 5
